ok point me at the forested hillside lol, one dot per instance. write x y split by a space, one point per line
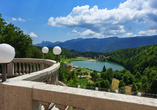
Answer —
135 59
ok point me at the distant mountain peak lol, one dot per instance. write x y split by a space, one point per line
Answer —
102 44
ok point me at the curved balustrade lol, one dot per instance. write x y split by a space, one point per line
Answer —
30 90
21 66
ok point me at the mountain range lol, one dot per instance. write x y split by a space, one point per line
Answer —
103 44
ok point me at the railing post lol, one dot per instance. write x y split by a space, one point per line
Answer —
57 77
31 67
53 79
20 68
36 105
27 70
34 68
23 68
15 64
42 66
10 69
37 67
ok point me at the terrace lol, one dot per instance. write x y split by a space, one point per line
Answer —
34 82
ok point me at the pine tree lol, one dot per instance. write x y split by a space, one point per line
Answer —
121 84
104 69
134 88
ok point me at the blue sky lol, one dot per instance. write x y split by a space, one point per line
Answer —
61 20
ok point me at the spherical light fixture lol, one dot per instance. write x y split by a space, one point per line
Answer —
7 54
78 86
45 50
57 51
116 91
96 88
139 94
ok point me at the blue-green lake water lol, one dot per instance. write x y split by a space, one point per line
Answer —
97 65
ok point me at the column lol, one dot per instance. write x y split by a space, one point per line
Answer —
10 69
36 105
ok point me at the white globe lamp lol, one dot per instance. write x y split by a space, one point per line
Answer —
7 54
57 51
45 50
116 91
139 94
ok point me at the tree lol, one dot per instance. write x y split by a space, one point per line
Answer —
95 76
122 90
126 79
36 53
138 75
14 36
144 87
121 84
144 80
104 69
134 88
89 85
105 84
138 85
108 75
97 84
153 86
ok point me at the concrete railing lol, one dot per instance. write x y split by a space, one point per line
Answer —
21 66
26 92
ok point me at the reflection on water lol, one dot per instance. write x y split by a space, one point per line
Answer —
97 65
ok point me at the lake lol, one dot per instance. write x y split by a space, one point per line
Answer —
97 65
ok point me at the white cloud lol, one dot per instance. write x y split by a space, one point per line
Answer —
32 34
148 32
74 30
128 35
104 22
20 19
13 19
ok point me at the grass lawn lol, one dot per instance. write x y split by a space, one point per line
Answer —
83 81
128 90
89 79
115 84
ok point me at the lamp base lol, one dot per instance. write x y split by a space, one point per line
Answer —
4 75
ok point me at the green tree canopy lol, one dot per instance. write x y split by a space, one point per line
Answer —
134 88
121 84
14 36
105 84
138 75
104 69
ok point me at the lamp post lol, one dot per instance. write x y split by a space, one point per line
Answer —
139 94
57 51
116 91
7 54
45 50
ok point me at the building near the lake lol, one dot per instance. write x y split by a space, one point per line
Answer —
101 57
